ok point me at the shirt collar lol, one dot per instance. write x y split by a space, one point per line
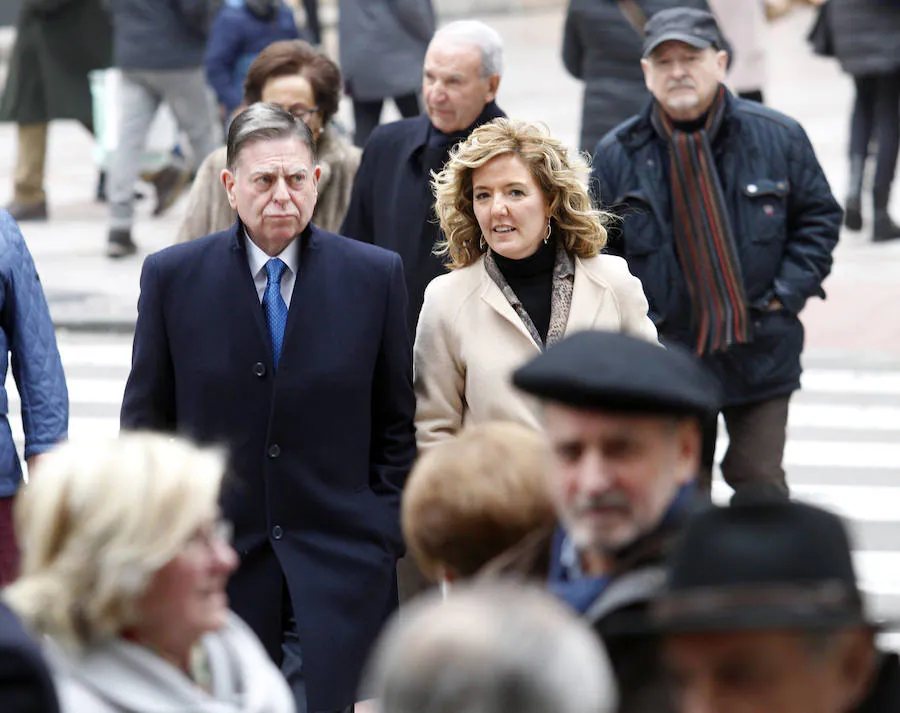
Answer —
258 259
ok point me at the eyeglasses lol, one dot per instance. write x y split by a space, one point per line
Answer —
303 113
208 536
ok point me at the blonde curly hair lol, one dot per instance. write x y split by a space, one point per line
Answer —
559 173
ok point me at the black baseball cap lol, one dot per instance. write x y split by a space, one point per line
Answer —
697 28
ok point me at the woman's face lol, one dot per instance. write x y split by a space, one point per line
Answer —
294 93
511 209
186 598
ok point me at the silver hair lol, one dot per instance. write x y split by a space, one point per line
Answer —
490 648
262 122
485 38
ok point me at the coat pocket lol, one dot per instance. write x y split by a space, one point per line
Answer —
767 199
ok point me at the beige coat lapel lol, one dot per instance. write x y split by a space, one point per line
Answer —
494 298
590 296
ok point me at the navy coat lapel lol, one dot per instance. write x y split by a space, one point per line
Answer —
242 287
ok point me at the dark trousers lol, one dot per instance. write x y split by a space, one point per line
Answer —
367 114
876 116
292 663
752 465
9 550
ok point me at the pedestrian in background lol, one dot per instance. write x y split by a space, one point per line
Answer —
382 46
240 31
602 47
866 41
58 42
490 649
159 47
303 80
124 572
468 500
743 23
28 343
624 421
523 242
729 222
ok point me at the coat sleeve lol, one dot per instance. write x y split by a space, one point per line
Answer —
149 400
358 221
393 400
209 204
814 223
34 355
416 17
222 52
572 51
438 376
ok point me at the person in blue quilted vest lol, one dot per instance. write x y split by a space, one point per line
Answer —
28 344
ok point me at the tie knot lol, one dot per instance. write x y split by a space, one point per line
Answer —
275 269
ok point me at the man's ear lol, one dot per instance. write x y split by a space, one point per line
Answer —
722 63
227 178
857 665
689 436
493 86
645 65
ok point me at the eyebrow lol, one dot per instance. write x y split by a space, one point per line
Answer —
505 185
270 171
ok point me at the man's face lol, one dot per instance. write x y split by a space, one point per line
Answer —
615 475
684 79
454 90
769 671
273 190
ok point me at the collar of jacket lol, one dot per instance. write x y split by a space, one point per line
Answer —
490 112
639 130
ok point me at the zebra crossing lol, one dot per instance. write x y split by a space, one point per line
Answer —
843 449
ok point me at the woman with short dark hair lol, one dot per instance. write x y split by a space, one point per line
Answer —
303 80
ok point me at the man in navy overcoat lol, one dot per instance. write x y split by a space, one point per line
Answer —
289 346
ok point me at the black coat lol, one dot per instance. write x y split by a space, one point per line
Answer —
785 222
392 205
884 696
866 35
57 43
601 48
25 683
320 450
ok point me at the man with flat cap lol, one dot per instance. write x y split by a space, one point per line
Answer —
624 421
761 613
729 222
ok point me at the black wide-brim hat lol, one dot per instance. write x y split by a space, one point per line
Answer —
762 565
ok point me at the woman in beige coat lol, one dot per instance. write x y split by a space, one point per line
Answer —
297 77
523 243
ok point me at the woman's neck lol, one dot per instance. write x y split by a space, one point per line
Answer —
539 262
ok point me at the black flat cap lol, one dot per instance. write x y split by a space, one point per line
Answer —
766 564
697 28
609 371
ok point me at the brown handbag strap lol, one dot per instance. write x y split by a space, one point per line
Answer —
633 13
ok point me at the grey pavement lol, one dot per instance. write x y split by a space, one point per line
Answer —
88 291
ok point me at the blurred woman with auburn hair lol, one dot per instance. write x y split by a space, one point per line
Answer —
523 242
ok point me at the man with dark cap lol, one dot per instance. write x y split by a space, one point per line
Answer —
761 613
624 421
729 223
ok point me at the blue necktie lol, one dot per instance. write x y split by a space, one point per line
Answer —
275 307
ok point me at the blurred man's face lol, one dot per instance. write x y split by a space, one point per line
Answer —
615 475
769 671
684 79
453 86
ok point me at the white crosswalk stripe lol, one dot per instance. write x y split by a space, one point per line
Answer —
843 448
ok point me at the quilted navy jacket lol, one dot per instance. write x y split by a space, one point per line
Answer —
27 340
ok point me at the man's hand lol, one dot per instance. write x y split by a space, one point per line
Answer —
369 706
774 305
32 463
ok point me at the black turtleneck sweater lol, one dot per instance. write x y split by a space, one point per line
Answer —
531 278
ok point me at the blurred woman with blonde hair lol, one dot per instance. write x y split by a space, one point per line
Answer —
124 567
523 243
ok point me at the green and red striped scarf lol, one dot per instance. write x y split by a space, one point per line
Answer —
703 236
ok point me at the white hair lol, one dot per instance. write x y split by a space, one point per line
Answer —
490 648
98 520
473 32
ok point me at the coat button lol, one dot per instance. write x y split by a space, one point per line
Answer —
274 450
751 189
259 369
277 532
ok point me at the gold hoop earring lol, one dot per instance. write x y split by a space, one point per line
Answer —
482 243
549 230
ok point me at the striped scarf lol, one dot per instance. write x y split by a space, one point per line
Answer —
703 236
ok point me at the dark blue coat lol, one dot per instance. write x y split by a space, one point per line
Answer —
28 341
236 37
25 683
785 222
319 451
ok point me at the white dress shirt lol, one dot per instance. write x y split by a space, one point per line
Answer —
257 260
